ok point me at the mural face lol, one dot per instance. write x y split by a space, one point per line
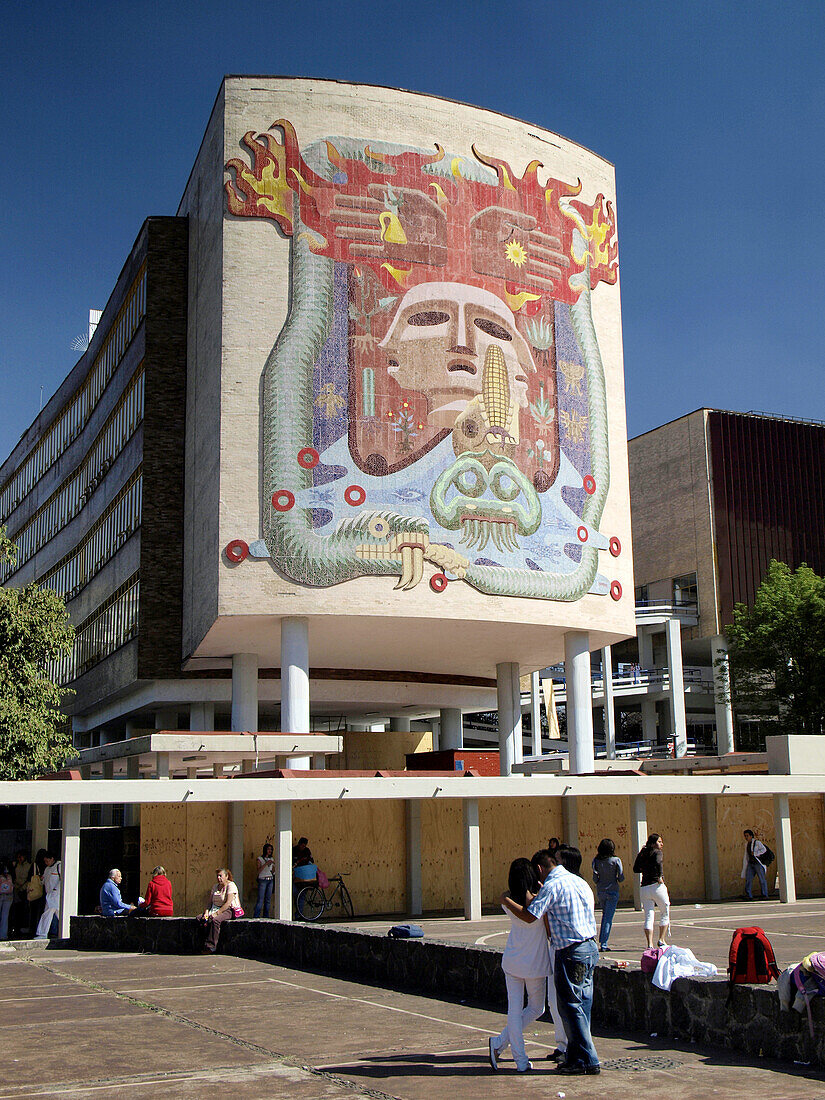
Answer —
436 394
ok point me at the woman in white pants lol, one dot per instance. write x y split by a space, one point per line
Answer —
51 888
525 964
650 865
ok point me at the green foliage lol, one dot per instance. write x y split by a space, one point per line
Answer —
777 652
34 629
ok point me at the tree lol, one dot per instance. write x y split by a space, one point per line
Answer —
34 630
777 651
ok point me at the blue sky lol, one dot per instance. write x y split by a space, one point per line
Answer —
712 113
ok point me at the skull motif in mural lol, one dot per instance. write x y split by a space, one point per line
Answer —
436 394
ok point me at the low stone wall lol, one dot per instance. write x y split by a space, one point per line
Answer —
694 1009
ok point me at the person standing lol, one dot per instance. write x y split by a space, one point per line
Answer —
6 899
266 871
51 888
525 962
542 865
567 902
607 874
752 865
19 918
649 864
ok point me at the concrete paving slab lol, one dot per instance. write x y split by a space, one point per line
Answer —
281 1033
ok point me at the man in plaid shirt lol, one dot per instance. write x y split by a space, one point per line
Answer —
566 901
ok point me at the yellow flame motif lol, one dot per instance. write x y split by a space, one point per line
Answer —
517 301
268 188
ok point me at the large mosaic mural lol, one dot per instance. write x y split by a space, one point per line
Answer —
436 394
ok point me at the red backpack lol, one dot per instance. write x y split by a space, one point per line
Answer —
751 959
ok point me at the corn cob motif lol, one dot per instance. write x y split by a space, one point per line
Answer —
495 401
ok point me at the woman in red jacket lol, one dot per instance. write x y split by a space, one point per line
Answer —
158 900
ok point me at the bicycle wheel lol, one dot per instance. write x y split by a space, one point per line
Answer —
346 901
311 903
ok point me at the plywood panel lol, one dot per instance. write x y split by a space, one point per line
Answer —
163 840
442 855
380 750
259 829
606 817
510 828
679 819
206 831
733 815
808 831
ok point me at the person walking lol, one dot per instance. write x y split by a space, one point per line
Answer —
52 870
649 863
752 865
567 902
266 872
224 904
525 963
607 874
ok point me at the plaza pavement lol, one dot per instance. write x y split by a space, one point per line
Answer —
94 1025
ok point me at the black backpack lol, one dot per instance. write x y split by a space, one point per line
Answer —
767 857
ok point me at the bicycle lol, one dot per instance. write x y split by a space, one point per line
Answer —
312 902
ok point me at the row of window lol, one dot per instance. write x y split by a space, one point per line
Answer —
72 418
113 624
64 504
118 523
684 591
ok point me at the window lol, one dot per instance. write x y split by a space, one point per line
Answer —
685 592
112 625
641 594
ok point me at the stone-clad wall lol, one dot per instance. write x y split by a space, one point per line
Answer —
694 1009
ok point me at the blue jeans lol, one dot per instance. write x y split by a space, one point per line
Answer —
574 992
750 871
264 897
609 900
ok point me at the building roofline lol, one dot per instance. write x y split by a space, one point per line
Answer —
752 413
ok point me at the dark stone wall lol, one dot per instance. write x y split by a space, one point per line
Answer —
694 1009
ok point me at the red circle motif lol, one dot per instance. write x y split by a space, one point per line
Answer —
308 458
283 500
237 551
589 484
438 582
615 547
582 534
354 495
616 590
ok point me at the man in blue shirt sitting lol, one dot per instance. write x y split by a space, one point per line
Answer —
111 903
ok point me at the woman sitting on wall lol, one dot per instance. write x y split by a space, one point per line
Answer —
158 900
224 904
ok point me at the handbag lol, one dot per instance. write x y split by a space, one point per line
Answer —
34 888
237 912
650 959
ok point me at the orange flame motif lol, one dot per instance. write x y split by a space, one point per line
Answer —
411 224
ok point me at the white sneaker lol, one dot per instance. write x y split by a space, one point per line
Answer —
526 1069
493 1054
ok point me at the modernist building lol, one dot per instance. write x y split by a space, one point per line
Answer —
348 443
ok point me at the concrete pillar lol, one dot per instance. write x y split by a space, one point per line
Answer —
108 771
535 714
452 729
638 835
283 860
166 718
722 699
472 860
400 725
302 763
244 717
40 828
319 761
710 849
415 892
509 716
202 716
436 725
784 849
676 698
131 813
645 665
570 819
295 675
235 845
579 701
70 858
162 765
217 771
609 708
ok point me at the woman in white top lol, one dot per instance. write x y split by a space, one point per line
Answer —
224 904
525 963
51 888
265 880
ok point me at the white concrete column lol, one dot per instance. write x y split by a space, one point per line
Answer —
472 860
201 716
295 675
784 849
609 708
509 716
131 812
452 728
638 836
166 718
70 858
535 714
645 665
722 699
710 849
40 828
217 771
302 763
162 765
570 819
283 860
244 717
579 701
676 698
400 725
235 845
415 892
